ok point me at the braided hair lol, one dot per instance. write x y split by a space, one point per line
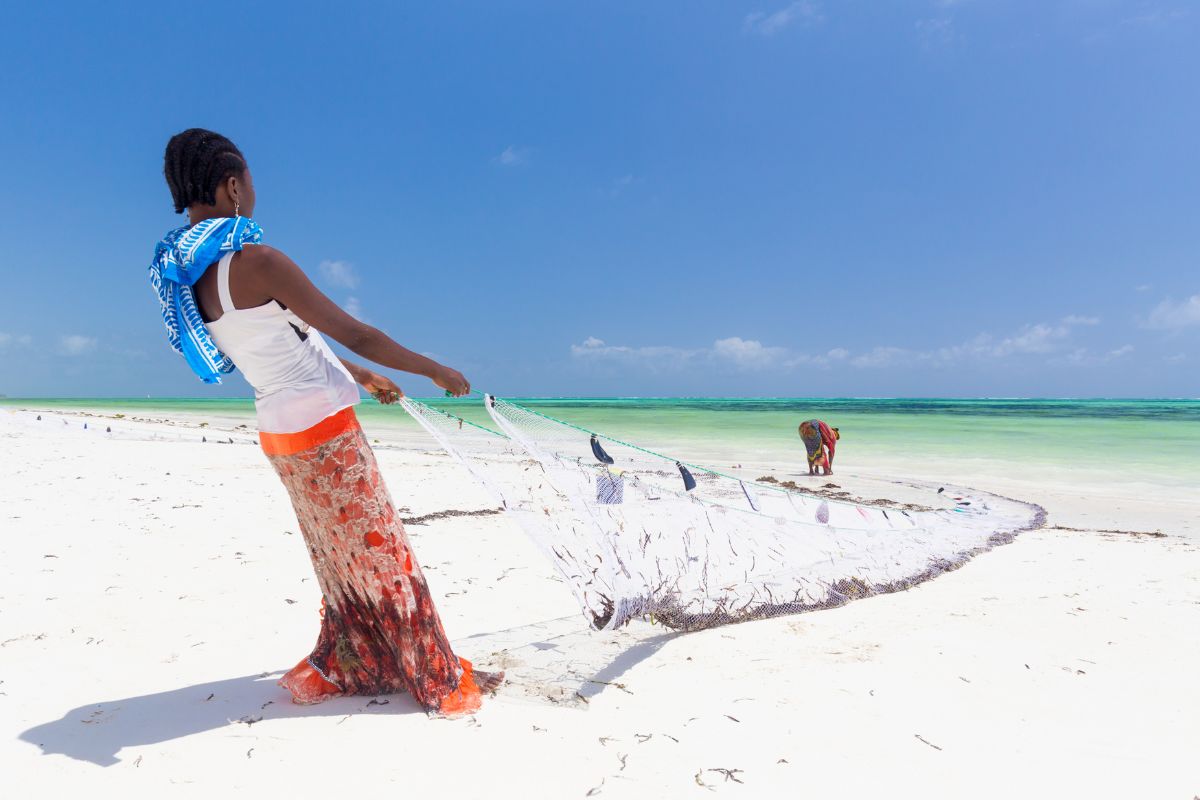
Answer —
195 163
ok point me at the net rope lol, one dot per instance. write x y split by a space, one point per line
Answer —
636 539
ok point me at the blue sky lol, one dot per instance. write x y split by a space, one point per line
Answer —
703 198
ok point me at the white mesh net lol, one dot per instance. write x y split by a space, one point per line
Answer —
634 541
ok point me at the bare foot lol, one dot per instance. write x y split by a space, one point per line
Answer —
468 698
488 681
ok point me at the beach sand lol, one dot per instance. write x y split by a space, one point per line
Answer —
153 590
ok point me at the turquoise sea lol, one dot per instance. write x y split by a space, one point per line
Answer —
1089 441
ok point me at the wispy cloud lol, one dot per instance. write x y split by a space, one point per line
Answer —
1040 338
749 353
1076 319
513 156
339 273
1175 316
655 357
731 352
1158 16
1081 356
354 309
14 340
765 23
887 356
622 183
1053 342
1030 339
936 32
343 275
1037 339
76 345
1155 19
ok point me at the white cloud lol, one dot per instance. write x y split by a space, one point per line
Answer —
1031 339
733 351
1081 356
513 157
339 273
887 357
1052 340
20 340
748 353
1038 339
1075 319
652 356
76 345
354 309
1171 316
1035 339
769 24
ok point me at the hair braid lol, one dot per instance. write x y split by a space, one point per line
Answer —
195 163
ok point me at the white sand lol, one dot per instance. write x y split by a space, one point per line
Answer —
144 616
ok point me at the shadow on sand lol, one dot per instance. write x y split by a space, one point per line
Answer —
560 662
99 731
551 662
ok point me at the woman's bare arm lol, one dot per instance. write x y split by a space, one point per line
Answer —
269 273
357 371
381 387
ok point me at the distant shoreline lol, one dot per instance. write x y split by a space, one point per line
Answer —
632 398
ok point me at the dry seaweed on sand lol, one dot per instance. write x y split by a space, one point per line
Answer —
827 492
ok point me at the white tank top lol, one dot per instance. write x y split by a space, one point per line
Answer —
297 382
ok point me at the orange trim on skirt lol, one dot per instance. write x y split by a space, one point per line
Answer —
287 444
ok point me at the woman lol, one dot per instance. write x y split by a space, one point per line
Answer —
820 441
229 300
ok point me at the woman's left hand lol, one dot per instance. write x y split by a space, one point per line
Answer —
382 389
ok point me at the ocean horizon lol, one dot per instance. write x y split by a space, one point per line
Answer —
1107 441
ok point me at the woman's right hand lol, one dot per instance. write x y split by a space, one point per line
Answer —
452 381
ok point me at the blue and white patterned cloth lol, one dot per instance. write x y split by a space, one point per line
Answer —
179 260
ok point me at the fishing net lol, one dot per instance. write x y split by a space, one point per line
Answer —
636 534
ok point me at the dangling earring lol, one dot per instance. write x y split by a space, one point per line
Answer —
236 208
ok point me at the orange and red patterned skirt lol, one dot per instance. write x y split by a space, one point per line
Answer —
380 632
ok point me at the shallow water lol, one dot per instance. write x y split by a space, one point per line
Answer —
1088 442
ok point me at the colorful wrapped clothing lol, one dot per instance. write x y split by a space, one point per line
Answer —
829 438
820 441
810 434
380 632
